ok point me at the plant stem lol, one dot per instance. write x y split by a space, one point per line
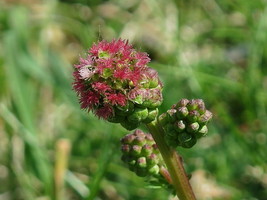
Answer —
173 162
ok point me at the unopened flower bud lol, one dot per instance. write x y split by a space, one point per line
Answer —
205 118
171 115
179 126
163 119
183 103
202 132
138 115
152 114
193 128
182 112
185 122
141 154
136 150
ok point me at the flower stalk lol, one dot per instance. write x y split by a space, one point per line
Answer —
173 162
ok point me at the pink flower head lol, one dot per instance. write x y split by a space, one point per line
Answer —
108 75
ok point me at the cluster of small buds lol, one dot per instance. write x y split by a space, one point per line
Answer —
115 83
141 154
185 122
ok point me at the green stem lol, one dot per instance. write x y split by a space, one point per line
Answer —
173 162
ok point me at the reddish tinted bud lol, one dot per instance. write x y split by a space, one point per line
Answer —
141 154
183 102
189 124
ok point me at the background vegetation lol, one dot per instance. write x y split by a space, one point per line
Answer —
215 50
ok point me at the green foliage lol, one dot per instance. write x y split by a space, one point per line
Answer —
213 50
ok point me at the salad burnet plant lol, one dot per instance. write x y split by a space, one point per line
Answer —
115 83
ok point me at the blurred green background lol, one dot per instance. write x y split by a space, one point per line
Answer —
211 49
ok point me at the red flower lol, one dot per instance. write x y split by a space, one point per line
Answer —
101 87
109 73
89 99
104 112
117 99
121 74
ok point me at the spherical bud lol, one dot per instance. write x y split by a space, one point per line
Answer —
202 132
179 126
152 114
163 119
182 112
182 103
192 105
171 115
206 117
193 128
128 125
138 115
154 170
135 150
193 116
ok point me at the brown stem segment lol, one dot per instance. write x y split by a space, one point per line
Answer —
173 162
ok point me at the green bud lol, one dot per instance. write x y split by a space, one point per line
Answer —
183 103
151 104
179 126
169 128
184 137
153 83
128 139
107 72
142 172
192 128
125 148
192 105
163 119
154 170
138 115
171 115
205 118
131 165
152 114
172 133
128 125
116 119
146 150
202 132
189 143
182 112
152 160
136 150
128 108
103 54
138 140
200 106
193 116
141 162
172 140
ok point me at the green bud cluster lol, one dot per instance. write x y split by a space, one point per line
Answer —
185 122
141 154
142 107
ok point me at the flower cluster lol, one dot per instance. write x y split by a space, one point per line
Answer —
115 83
141 154
185 122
